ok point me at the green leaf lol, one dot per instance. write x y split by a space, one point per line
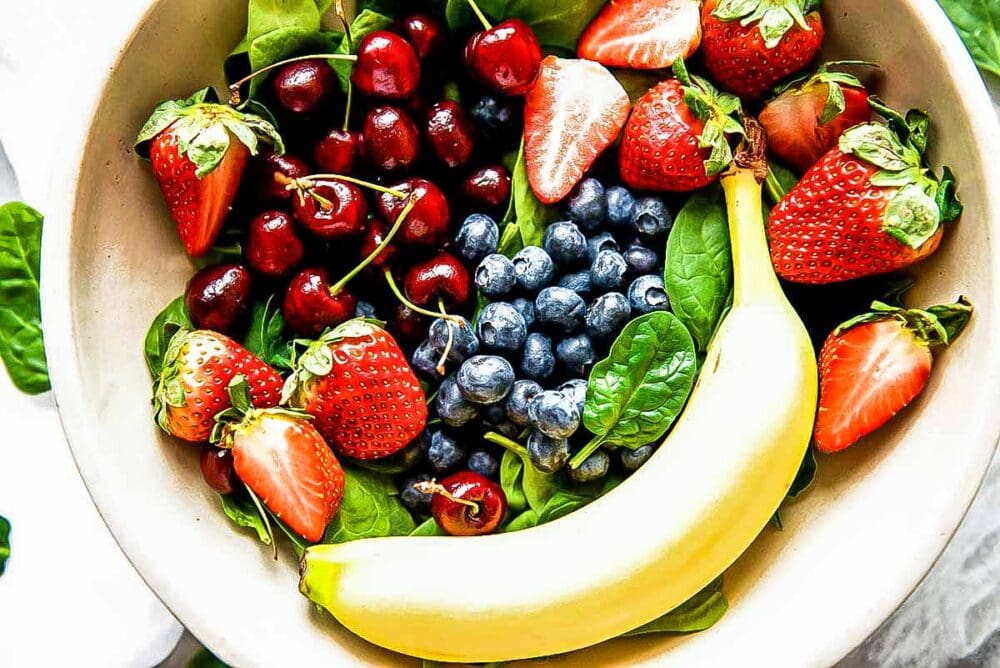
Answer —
636 82
527 217
698 613
370 508
878 145
241 509
804 478
265 336
912 216
947 198
365 22
953 317
21 345
780 181
428 528
205 659
526 520
561 504
511 470
171 319
4 542
699 266
978 24
557 23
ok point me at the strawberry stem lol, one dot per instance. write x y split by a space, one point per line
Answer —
235 97
479 14
434 487
410 305
441 369
342 283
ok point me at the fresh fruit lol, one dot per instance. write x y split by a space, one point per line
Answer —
191 388
444 453
868 207
640 260
217 469
608 315
330 208
387 66
574 112
538 361
652 218
450 133
608 271
632 460
526 307
453 337
477 238
304 86
533 269
390 139
218 297
485 379
873 366
554 414
309 307
647 294
808 117
576 353
521 394
565 243
483 463
273 247
495 276
494 116
748 46
355 381
407 325
593 468
197 163
427 224
505 56
424 33
588 204
451 406
643 34
501 327
466 504
265 170
336 152
374 237
547 454
621 206
489 186
605 241
676 138
441 278
415 500
560 308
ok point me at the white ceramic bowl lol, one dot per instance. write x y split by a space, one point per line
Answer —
851 551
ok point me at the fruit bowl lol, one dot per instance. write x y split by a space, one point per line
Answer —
850 551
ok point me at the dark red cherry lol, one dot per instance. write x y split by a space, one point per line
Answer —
337 151
489 186
217 469
506 57
332 209
268 188
218 297
387 66
427 223
408 326
273 247
390 139
309 308
304 86
441 277
467 504
450 133
423 32
373 238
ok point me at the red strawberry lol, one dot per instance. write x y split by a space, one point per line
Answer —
191 388
197 162
868 207
874 365
643 34
808 116
357 383
751 45
676 137
574 111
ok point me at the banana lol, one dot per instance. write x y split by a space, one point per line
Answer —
629 557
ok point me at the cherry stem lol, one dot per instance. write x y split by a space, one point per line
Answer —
306 182
410 305
234 88
479 14
342 283
506 443
434 487
441 369
342 15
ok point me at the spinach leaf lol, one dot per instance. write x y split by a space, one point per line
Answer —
165 325
244 513
526 520
264 337
780 181
557 23
428 528
370 508
527 217
699 266
299 544
365 22
4 542
635 394
636 82
205 659
804 478
562 503
511 470
978 24
21 346
698 613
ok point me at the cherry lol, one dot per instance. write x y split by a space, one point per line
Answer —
309 306
442 277
423 32
390 139
506 56
375 236
336 151
466 503
302 87
450 133
331 208
271 165
217 469
218 297
273 247
427 224
489 186
408 326
387 66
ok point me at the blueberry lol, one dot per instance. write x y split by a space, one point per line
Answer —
588 205
561 308
633 459
652 217
526 307
575 353
364 310
641 260
548 455
412 454
607 315
647 294
533 268
485 379
494 116
565 243
576 390
495 275
554 414
416 502
600 242
578 282
483 463
517 401
443 453
593 468
477 238
621 206
538 362
608 270
451 406
464 343
501 327
425 360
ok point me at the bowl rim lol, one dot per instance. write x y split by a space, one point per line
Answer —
67 385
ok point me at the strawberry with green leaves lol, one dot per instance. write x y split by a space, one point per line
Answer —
198 150
872 366
357 383
676 139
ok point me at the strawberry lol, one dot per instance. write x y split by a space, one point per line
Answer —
281 457
750 45
191 388
574 111
197 163
642 34
357 383
871 367
676 137
867 207
809 115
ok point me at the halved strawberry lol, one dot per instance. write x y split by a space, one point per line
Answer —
643 34
574 111
871 367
